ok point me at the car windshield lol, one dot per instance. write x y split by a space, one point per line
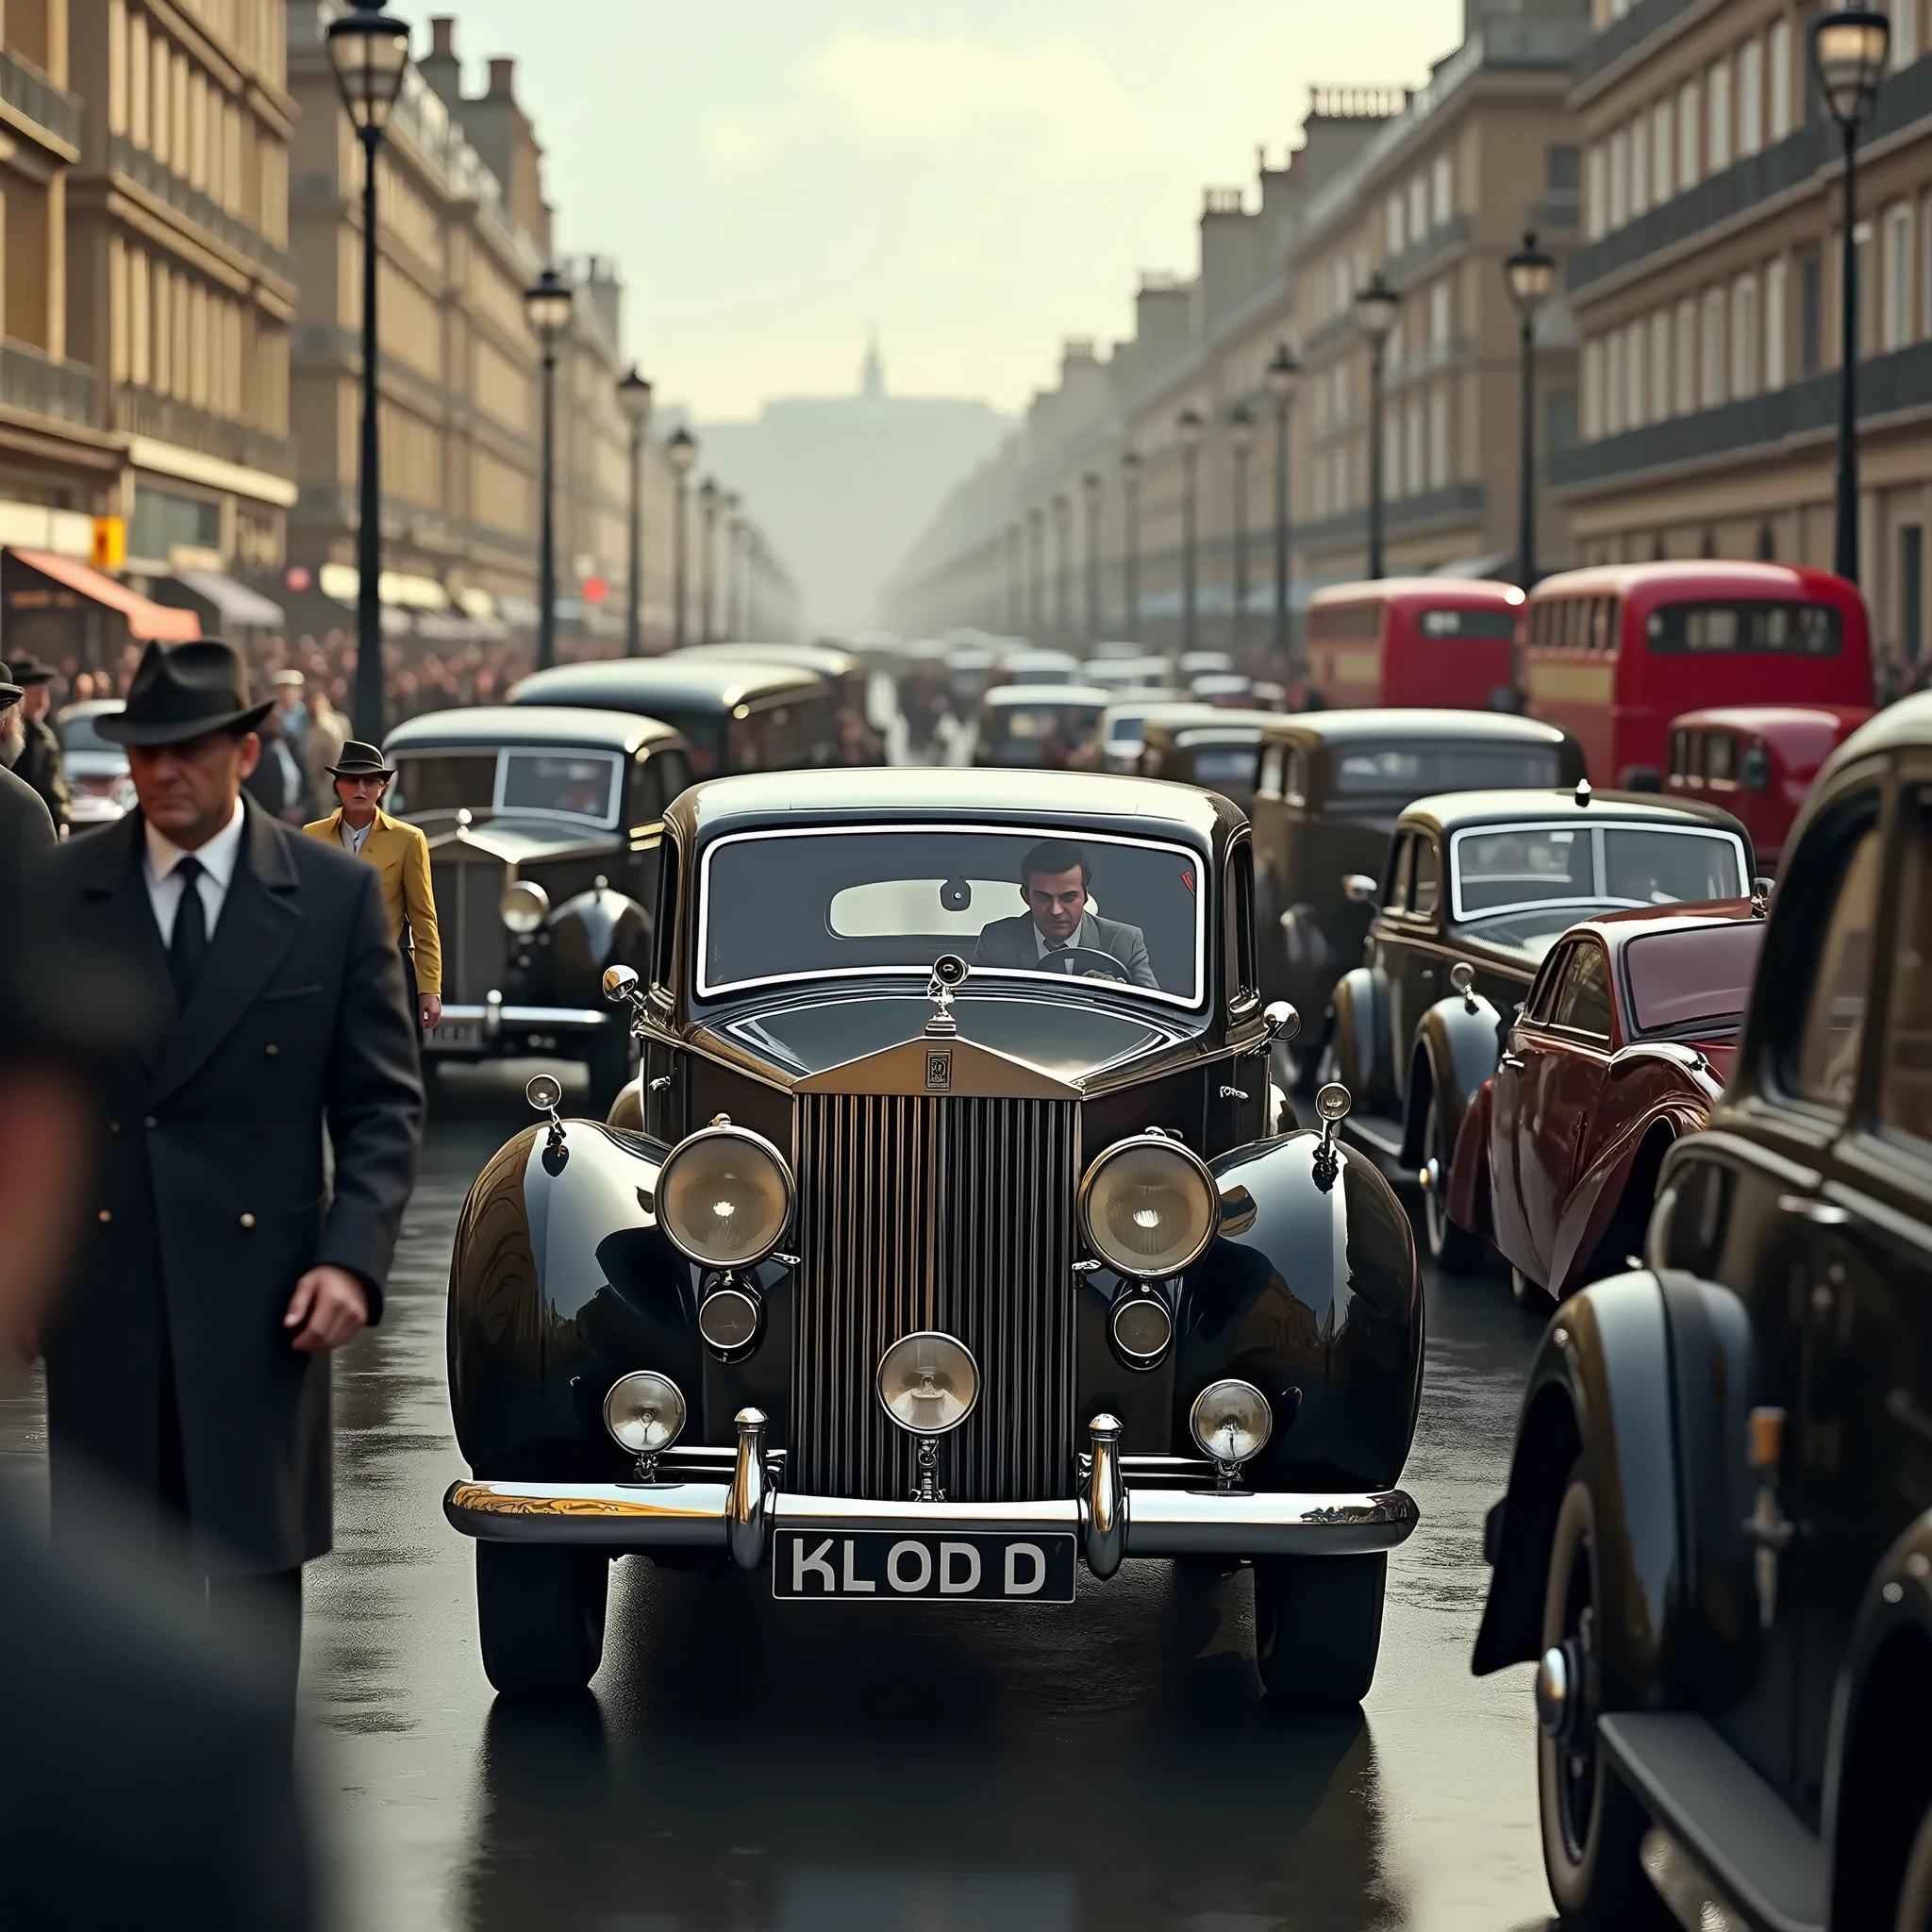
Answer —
778 905
1502 868
1044 735
443 781
1225 764
1697 977
561 784
1413 771
78 732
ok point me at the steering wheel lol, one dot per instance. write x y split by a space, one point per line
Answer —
1089 962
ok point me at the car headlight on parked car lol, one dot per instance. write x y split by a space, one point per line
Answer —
929 1383
644 1413
1149 1207
524 907
725 1196
1231 1420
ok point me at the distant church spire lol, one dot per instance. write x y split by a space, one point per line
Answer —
872 380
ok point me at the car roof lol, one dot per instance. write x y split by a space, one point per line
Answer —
677 681
1772 717
1011 696
1489 589
1905 725
919 792
1379 724
1239 727
1708 576
1695 915
1453 811
493 724
828 660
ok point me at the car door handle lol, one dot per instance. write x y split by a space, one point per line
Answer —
1428 973
1819 1214
1512 1060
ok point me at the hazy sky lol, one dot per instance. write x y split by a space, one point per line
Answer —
977 178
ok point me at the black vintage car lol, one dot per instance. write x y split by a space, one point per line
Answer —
1717 1539
734 714
1327 789
1216 750
1476 888
844 671
935 1258
543 828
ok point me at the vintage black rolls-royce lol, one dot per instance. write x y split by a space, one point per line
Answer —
1327 788
543 828
956 1242
1477 888
1717 1539
734 715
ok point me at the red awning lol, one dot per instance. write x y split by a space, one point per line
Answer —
147 620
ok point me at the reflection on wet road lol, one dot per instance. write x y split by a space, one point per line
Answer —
746 1764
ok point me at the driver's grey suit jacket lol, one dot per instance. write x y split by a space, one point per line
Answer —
1010 943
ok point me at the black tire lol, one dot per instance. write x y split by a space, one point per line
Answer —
540 1609
1453 1249
1592 1826
611 1063
1318 1628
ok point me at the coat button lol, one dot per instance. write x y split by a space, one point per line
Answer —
105 1217
248 1221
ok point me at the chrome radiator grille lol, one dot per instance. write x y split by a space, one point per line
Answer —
474 947
947 1214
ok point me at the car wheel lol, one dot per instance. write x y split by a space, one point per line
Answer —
1318 1628
1592 1827
539 1608
1914 1912
1529 1296
1453 1249
611 1063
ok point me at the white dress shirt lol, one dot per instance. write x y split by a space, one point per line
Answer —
352 838
1082 935
217 858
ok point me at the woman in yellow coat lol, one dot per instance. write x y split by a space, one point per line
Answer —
401 853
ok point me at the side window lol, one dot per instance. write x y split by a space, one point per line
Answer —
1822 1065
1274 766
1296 784
1905 1098
673 772
1720 756
646 793
1680 754
1542 995
1427 898
1401 867
664 938
1244 980
1583 1001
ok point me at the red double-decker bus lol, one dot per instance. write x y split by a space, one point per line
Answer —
1421 641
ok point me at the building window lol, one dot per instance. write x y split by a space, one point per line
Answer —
1442 188
1594 200
1689 137
1660 365
1897 316
1660 150
1776 297
1613 383
1439 440
165 520
1719 89
1904 32
1559 415
1745 336
1810 313
1438 315
1640 168
1395 239
1418 208
1778 64
1684 357
1861 267
1592 390
1418 449
1620 177
1711 329
1750 98
1391 454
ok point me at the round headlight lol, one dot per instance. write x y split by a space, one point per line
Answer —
524 906
1231 1420
929 1383
644 1413
723 1197
1142 1327
1149 1207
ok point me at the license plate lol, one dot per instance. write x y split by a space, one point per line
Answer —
455 1033
883 1566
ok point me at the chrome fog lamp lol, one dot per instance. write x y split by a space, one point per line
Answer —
1232 1422
725 1196
728 1319
929 1383
524 907
645 1413
1142 1326
1149 1207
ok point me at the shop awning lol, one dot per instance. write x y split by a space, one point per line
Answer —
147 621
234 603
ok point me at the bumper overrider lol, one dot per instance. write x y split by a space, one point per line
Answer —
1146 1505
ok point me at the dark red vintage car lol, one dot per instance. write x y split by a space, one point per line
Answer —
1757 761
1621 1048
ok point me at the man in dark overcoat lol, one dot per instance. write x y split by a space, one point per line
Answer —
220 1261
25 826
39 762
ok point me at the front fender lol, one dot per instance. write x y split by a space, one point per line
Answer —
1599 1191
1359 1030
1468 1201
1312 1292
1456 1039
595 929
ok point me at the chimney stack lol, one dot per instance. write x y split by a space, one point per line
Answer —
442 33
502 75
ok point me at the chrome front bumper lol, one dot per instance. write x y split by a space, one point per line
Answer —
493 1019
1127 1506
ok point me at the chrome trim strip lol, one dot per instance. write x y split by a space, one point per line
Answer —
554 1017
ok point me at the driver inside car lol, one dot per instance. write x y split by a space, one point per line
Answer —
1054 881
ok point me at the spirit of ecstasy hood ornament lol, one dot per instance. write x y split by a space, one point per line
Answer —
948 970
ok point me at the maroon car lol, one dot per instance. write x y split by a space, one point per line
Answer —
1623 1045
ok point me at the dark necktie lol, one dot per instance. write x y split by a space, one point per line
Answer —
188 947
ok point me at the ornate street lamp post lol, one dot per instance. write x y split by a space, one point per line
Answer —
546 302
369 50
1188 427
1531 275
1241 443
709 495
634 398
1375 307
1130 543
1281 375
1090 489
1849 48
682 452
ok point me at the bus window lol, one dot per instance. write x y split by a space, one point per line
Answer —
1467 624
1789 629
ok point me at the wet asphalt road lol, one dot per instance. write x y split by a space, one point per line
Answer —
747 1764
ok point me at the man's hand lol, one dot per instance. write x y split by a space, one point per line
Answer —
326 1309
428 1012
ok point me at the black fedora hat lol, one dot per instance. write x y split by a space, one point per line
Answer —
31 670
359 760
184 690
11 693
